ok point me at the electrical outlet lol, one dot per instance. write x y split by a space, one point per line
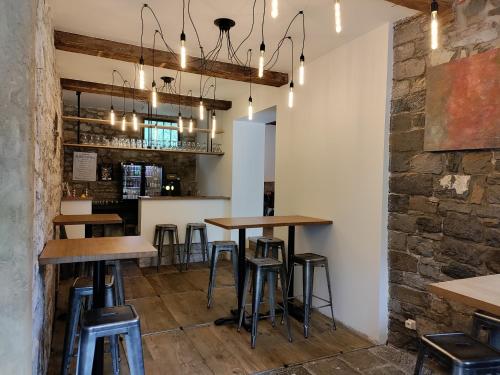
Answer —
411 324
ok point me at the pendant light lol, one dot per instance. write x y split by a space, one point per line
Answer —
250 101
261 59
202 109
141 74
302 58
124 118
250 109
434 24
301 70
124 122
190 129
183 41
154 95
181 123
112 118
134 121
214 123
274 8
338 18
290 95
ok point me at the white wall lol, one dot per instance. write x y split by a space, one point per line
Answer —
269 154
331 162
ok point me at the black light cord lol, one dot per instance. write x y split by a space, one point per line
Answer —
251 28
263 18
275 54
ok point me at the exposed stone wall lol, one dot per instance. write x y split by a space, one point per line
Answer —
47 181
444 219
183 165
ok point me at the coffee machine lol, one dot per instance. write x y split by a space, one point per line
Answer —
172 185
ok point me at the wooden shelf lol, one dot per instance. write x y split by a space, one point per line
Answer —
144 149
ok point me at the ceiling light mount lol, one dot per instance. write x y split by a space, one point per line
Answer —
224 24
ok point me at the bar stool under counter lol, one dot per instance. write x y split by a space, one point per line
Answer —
191 229
309 261
490 324
219 247
270 247
173 238
260 269
79 295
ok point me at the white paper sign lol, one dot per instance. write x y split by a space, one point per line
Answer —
84 166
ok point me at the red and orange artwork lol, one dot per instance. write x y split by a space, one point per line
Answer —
463 104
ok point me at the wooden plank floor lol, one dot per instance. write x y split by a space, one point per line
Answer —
179 336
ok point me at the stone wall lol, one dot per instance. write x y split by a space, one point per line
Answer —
47 181
182 165
444 219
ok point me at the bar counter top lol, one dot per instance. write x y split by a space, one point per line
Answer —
167 198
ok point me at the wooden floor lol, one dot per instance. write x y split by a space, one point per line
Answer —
179 336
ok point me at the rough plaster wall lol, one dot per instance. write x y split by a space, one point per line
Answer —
16 184
47 181
444 220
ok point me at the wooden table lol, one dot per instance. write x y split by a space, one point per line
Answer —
481 292
242 223
96 250
88 220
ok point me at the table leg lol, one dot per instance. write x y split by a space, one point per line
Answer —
295 309
235 314
88 230
98 302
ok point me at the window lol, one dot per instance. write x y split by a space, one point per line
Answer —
164 136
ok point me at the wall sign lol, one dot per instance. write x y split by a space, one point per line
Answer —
84 166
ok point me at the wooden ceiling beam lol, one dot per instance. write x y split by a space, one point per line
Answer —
118 91
130 53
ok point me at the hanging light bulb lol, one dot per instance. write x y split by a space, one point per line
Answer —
112 116
274 8
191 125
290 95
181 123
261 59
141 73
124 122
250 109
154 95
301 70
434 24
183 50
134 120
338 19
202 109
214 124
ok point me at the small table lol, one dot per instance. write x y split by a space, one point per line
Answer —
88 220
242 223
96 250
481 292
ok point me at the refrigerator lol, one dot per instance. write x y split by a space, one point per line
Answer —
141 179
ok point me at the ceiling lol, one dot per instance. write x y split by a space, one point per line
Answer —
119 20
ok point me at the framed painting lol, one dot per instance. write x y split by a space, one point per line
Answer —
463 104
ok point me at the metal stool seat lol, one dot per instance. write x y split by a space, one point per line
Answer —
269 247
111 321
309 261
463 353
191 228
173 239
261 267
217 248
81 288
490 324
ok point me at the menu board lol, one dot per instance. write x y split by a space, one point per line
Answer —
84 166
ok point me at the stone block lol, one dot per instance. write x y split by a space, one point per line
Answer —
463 226
397 240
429 224
492 237
417 184
446 205
400 88
409 68
402 261
407 31
493 192
421 246
409 295
402 222
477 190
398 203
427 163
453 161
404 51
477 163
414 102
488 211
407 141
422 204
400 161
401 122
458 271
460 251
430 269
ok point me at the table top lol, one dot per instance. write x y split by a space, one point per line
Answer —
265 221
87 219
97 248
481 292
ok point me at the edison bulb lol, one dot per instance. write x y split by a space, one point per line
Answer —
202 110
154 98
261 60
250 109
301 70
124 123
112 116
290 96
274 8
183 51
181 124
190 125
141 75
134 121
214 124
434 30
338 18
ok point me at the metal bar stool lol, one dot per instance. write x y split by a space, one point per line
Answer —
80 290
309 261
116 270
173 239
490 324
191 228
462 353
260 267
217 248
269 247
110 321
